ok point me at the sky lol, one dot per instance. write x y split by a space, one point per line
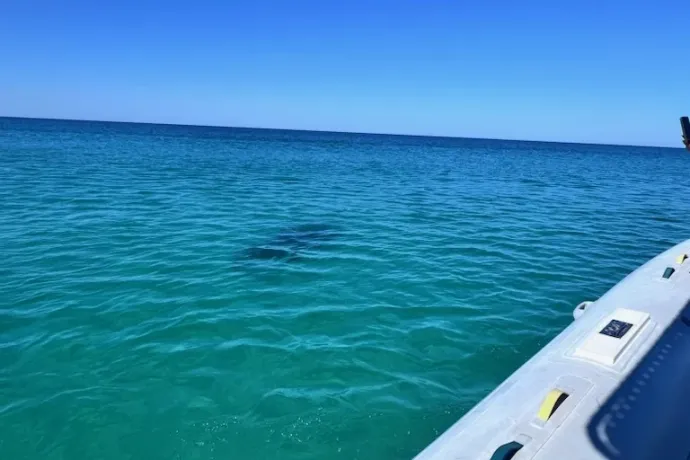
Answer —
578 71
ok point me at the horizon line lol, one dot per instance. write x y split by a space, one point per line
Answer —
336 132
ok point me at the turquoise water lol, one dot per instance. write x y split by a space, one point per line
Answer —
174 292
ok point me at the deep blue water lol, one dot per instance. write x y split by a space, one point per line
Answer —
175 292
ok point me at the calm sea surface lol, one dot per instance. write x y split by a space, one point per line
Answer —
171 292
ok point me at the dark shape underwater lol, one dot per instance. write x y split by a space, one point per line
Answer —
260 253
287 244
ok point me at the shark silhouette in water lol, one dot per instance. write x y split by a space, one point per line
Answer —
287 244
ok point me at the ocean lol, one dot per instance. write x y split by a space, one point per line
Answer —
176 292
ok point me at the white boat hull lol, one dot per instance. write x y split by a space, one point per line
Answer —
586 362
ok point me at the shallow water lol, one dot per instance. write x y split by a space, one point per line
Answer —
174 292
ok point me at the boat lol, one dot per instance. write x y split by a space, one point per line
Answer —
615 384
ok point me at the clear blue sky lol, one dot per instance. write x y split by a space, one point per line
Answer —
580 70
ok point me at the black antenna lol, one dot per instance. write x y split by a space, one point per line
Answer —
685 126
